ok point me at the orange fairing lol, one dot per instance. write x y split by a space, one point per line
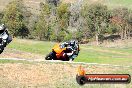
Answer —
58 49
81 71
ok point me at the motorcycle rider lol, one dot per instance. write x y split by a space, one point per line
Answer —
72 47
4 30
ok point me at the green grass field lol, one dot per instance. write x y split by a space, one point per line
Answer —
118 3
112 3
25 74
37 47
90 54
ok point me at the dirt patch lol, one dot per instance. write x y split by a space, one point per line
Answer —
45 75
12 53
34 75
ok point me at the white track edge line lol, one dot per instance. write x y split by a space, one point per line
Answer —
57 61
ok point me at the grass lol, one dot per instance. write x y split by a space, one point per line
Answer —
105 55
24 74
113 3
37 47
15 61
43 75
119 2
90 54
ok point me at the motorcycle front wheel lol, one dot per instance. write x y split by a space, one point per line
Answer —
50 56
1 49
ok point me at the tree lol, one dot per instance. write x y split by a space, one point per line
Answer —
42 25
15 18
121 18
63 15
1 16
23 32
53 2
96 18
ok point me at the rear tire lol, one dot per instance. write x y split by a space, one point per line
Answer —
48 57
1 51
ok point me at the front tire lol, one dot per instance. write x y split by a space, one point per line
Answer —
51 56
48 57
1 49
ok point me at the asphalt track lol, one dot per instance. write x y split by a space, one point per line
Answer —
57 61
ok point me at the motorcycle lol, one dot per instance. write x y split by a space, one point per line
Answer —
5 39
64 53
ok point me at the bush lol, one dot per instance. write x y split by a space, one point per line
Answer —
68 37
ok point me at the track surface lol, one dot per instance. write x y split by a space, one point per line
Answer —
53 74
57 61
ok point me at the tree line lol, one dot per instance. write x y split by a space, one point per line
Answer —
59 21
